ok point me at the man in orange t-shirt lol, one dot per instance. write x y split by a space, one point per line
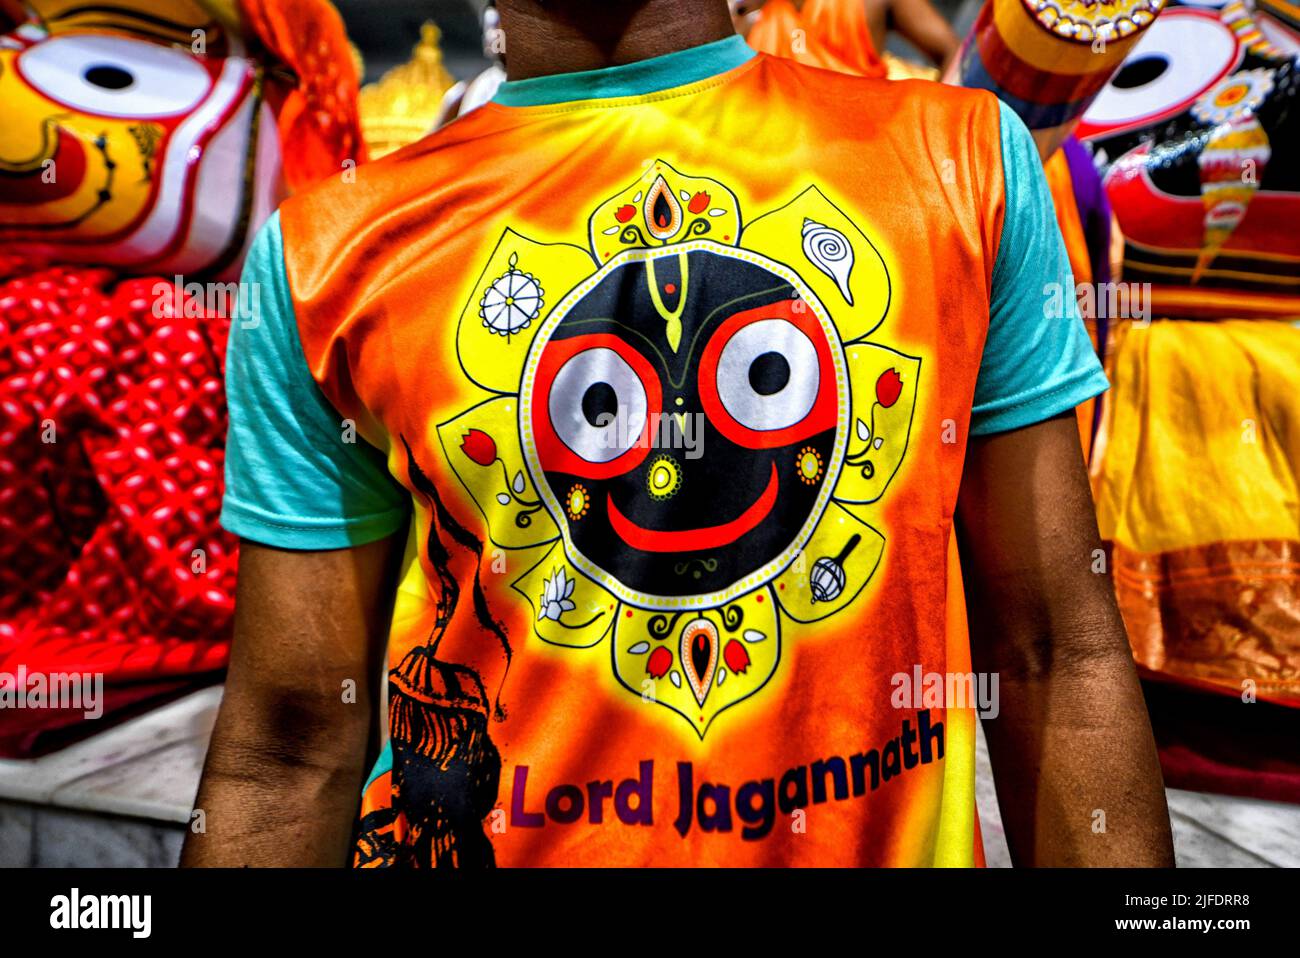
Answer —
691 431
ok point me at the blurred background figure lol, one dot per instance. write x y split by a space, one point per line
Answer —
1196 459
471 94
848 36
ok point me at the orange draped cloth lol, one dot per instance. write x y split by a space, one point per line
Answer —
832 34
319 125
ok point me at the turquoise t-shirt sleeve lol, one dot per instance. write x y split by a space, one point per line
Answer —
292 481
1038 360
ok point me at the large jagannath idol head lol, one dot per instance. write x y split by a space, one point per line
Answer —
682 428
129 134
1198 135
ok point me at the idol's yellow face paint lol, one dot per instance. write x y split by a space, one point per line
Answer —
65 172
106 139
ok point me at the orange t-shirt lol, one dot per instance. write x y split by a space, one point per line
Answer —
676 363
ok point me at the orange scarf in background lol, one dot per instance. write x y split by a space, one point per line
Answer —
317 115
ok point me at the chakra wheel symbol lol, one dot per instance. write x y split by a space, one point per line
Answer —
512 302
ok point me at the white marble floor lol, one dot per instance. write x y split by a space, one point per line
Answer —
146 768
123 797
118 799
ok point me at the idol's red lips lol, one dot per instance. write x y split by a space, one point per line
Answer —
693 540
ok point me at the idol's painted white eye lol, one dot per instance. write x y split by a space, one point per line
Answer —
1180 56
598 405
768 375
116 76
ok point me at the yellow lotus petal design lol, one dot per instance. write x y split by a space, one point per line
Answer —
846 272
568 607
833 568
523 280
664 206
698 662
878 434
482 446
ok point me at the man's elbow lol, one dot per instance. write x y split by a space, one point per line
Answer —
294 732
1055 649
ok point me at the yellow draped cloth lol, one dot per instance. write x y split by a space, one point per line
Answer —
1197 489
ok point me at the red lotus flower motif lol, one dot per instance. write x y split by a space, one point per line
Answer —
699 202
888 387
625 213
479 447
736 656
658 664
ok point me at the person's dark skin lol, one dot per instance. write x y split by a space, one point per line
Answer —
1071 749
289 755
564 36
291 748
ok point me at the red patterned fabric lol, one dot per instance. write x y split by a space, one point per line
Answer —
112 561
111 453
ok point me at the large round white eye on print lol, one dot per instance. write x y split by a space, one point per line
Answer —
116 76
1182 54
768 375
598 405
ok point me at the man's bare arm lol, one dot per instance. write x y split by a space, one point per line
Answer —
921 25
1072 742
288 756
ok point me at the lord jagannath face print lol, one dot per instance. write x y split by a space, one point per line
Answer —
684 429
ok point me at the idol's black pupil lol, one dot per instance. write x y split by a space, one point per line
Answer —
769 373
1140 72
599 404
110 78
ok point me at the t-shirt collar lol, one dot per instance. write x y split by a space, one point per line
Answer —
632 79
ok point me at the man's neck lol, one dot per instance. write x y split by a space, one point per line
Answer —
564 36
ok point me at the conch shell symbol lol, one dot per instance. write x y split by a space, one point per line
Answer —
830 251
